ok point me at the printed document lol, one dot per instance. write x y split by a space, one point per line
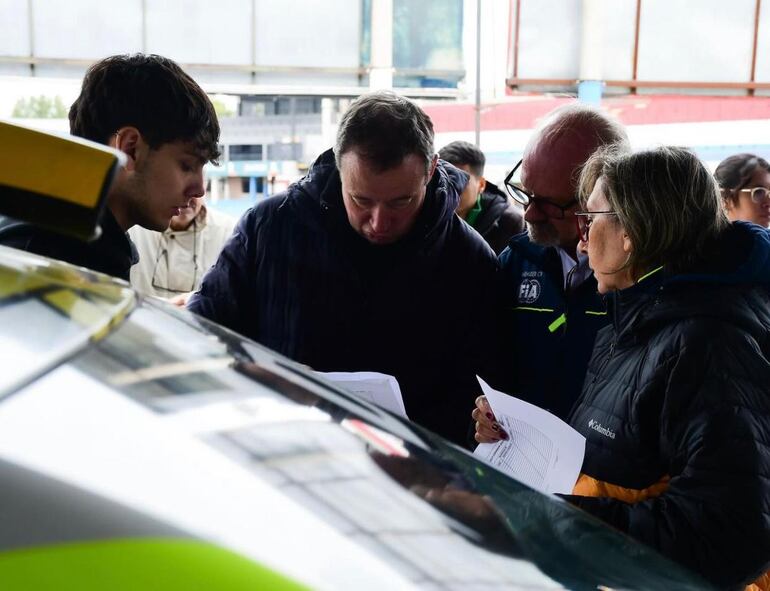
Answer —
378 388
542 451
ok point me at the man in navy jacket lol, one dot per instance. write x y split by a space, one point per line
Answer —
551 308
363 265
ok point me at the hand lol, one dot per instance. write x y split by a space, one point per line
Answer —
180 301
488 430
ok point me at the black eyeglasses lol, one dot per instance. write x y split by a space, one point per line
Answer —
584 219
519 194
172 285
758 194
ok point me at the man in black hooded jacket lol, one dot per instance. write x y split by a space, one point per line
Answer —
483 205
363 265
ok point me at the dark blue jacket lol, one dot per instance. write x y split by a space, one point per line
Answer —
676 412
297 278
547 334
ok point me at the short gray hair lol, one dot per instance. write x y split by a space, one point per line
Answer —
384 128
666 200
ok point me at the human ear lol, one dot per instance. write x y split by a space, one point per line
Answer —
628 248
129 141
482 184
433 164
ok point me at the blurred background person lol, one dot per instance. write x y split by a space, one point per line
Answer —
675 406
483 205
174 261
745 183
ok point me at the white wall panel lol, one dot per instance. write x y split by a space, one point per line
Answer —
200 31
86 29
693 41
309 33
549 38
14 29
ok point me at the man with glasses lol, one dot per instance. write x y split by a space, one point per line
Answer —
362 265
173 262
552 309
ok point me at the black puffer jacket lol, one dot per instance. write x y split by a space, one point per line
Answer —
676 412
297 278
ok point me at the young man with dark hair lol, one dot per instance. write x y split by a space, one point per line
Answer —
361 264
483 205
151 110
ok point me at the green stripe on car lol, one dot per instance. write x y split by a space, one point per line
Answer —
126 565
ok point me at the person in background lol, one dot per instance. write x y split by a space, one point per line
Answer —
360 265
174 261
550 308
675 407
483 205
744 180
150 109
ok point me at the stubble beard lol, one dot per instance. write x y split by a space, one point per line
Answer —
543 234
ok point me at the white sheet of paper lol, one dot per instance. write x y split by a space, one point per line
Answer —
379 388
543 451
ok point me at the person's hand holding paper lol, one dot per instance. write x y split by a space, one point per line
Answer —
488 430
540 449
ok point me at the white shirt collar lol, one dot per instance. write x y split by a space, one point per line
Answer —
580 274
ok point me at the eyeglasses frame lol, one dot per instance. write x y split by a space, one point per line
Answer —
521 196
754 190
583 234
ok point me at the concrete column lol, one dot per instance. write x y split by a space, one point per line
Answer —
381 73
590 82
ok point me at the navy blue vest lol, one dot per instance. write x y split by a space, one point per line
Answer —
548 333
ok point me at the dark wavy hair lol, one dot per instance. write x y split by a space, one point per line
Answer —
151 93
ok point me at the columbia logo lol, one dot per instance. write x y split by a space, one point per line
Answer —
596 426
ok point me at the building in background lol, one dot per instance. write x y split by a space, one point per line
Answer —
285 71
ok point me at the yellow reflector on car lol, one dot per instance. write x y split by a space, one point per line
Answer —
57 182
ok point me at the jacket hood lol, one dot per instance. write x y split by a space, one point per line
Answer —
730 282
322 186
493 203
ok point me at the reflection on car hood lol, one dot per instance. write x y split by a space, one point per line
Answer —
224 444
49 310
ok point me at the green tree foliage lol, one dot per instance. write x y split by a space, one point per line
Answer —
40 107
221 109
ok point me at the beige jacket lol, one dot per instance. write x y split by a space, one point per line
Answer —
172 262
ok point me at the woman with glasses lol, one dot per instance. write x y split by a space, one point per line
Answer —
675 406
745 183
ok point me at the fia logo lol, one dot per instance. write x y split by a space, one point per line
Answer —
529 291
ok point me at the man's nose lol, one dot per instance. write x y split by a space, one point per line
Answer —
197 187
533 214
379 220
